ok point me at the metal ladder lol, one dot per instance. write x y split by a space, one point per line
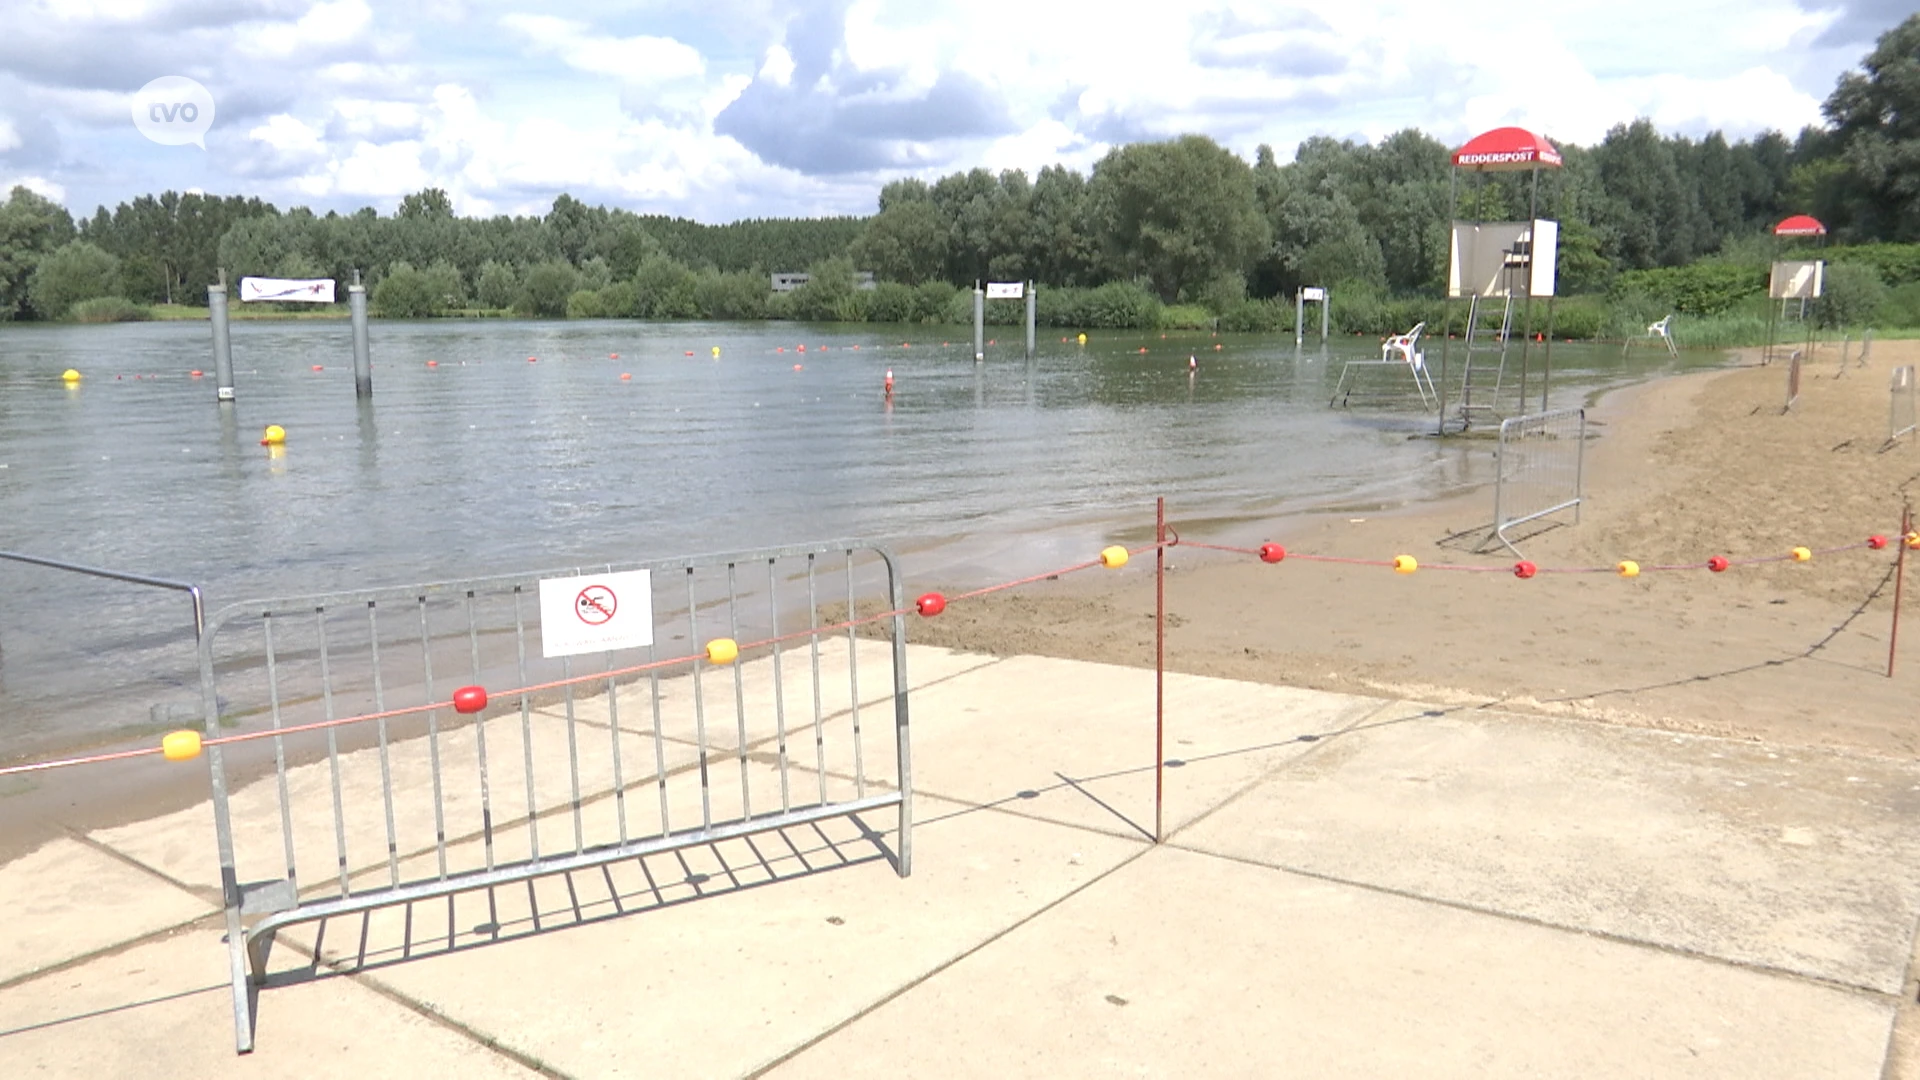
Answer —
1486 363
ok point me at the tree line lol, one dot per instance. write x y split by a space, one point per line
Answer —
1184 223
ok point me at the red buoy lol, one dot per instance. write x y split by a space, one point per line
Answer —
1272 553
1718 563
931 604
1876 542
1524 569
469 699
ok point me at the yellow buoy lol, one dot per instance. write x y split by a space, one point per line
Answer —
1628 568
70 376
1113 558
275 435
1801 554
722 651
1083 339
1405 564
180 745
716 352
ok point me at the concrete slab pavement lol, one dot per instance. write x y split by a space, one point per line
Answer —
1795 859
1184 964
1350 886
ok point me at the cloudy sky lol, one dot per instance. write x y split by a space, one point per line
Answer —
722 109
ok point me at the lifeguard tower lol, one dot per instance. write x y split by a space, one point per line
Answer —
1499 268
1793 280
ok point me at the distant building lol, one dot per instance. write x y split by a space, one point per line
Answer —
862 279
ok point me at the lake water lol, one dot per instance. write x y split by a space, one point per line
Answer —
489 463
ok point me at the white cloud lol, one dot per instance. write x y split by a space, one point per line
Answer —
778 68
327 23
39 185
640 59
345 99
288 136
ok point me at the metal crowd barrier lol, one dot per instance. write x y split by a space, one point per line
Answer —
382 790
1902 416
1538 467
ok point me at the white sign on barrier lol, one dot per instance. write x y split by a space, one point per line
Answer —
313 291
1312 293
596 613
1006 290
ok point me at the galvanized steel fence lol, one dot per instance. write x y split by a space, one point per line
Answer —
387 786
1902 416
1538 466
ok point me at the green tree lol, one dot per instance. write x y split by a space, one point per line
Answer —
829 294
1876 116
663 289
445 285
497 286
906 242
404 293
69 274
1179 213
426 204
739 295
31 225
545 289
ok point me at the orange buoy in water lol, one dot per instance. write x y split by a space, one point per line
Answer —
624 377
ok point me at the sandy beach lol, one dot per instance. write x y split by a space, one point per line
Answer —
1681 469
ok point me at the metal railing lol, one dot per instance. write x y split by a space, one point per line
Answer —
1902 415
1538 467
383 790
1793 379
187 587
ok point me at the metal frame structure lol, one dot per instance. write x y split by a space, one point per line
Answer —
1799 225
1534 474
1903 415
1507 149
1311 294
326 672
1398 351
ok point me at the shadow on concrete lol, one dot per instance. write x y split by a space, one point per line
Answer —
524 909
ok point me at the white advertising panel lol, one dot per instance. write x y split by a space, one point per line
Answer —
284 290
1796 280
1503 258
592 613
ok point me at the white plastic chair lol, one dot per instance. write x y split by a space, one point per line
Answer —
1662 330
1405 348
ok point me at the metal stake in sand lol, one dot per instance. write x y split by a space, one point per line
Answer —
362 360
222 347
1160 662
1899 580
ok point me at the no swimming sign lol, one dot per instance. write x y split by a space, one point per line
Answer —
591 613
